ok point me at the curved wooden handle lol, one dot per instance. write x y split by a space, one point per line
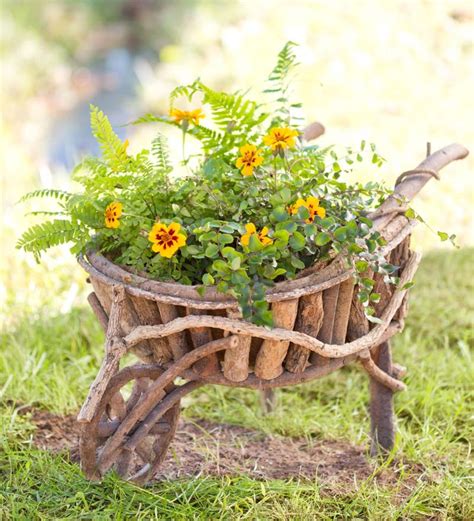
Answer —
411 185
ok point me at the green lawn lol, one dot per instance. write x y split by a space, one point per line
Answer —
48 359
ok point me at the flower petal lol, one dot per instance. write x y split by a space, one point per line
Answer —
176 227
250 227
244 240
181 240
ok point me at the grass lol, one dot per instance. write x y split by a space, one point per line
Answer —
48 358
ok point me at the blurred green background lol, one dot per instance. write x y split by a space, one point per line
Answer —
396 73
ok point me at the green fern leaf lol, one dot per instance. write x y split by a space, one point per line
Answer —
43 236
60 195
113 149
279 83
160 151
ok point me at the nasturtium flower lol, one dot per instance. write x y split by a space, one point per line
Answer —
250 230
187 115
112 214
166 239
249 159
312 205
280 138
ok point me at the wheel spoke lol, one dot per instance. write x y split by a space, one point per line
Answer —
151 435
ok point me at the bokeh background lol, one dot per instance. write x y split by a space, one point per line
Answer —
397 73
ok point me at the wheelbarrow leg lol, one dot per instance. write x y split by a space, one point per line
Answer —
381 405
268 400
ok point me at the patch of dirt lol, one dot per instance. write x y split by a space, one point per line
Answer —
212 449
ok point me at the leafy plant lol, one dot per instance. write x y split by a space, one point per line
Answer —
258 205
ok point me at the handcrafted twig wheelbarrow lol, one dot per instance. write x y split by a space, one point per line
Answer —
130 415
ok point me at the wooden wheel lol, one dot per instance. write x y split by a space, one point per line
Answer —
142 447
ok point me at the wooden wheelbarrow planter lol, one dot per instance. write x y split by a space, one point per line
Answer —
130 415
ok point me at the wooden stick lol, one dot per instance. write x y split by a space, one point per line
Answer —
149 315
104 291
410 186
158 411
330 297
268 400
201 336
309 321
341 320
398 371
98 310
358 325
382 424
178 344
268 363
313 131
115 348
236 360
378 374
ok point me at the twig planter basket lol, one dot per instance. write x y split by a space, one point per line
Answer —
130 415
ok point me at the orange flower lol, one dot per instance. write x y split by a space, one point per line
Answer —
315 209
249 160
187 115
261 236
166 239
112 215
293 208
312 204
280 138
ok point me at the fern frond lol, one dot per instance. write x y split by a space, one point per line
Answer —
151 118
113 149
279 83
40 212
286 61
98 178
43 236
209 138
160 152
232 110
186 91
52 193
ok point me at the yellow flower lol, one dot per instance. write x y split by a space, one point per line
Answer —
166 239
249 160
293 209
112 215
252 230
187 115
315 209
280 138
312 204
